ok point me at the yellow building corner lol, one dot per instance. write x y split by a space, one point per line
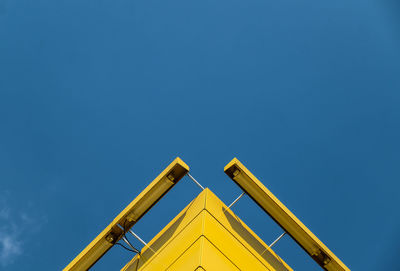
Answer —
206 235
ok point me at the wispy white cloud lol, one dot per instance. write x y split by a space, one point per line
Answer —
13 222
10 247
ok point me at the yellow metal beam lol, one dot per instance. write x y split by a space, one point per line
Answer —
129 216
285 218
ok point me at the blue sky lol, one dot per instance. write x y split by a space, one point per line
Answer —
97 97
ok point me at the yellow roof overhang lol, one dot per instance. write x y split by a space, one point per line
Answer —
129 216
283 216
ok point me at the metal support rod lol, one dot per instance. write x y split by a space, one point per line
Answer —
137 237
277 239
140 239
194 180
236 200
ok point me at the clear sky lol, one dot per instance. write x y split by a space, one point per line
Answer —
98 96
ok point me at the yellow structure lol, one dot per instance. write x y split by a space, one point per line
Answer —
129 216
206 235
283 216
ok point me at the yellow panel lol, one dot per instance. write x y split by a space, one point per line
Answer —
213 259
231 237
286 219
172 248
129 216
167 235
232 223
202 254
231 247
169 253
190 259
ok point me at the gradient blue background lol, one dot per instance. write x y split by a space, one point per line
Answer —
97 97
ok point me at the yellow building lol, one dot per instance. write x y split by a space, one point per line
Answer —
206 235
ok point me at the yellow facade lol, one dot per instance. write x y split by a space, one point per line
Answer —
206 235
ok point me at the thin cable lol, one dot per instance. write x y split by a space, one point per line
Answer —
126 240
137 265
129 244
277 239
127 248
194 180
236 200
